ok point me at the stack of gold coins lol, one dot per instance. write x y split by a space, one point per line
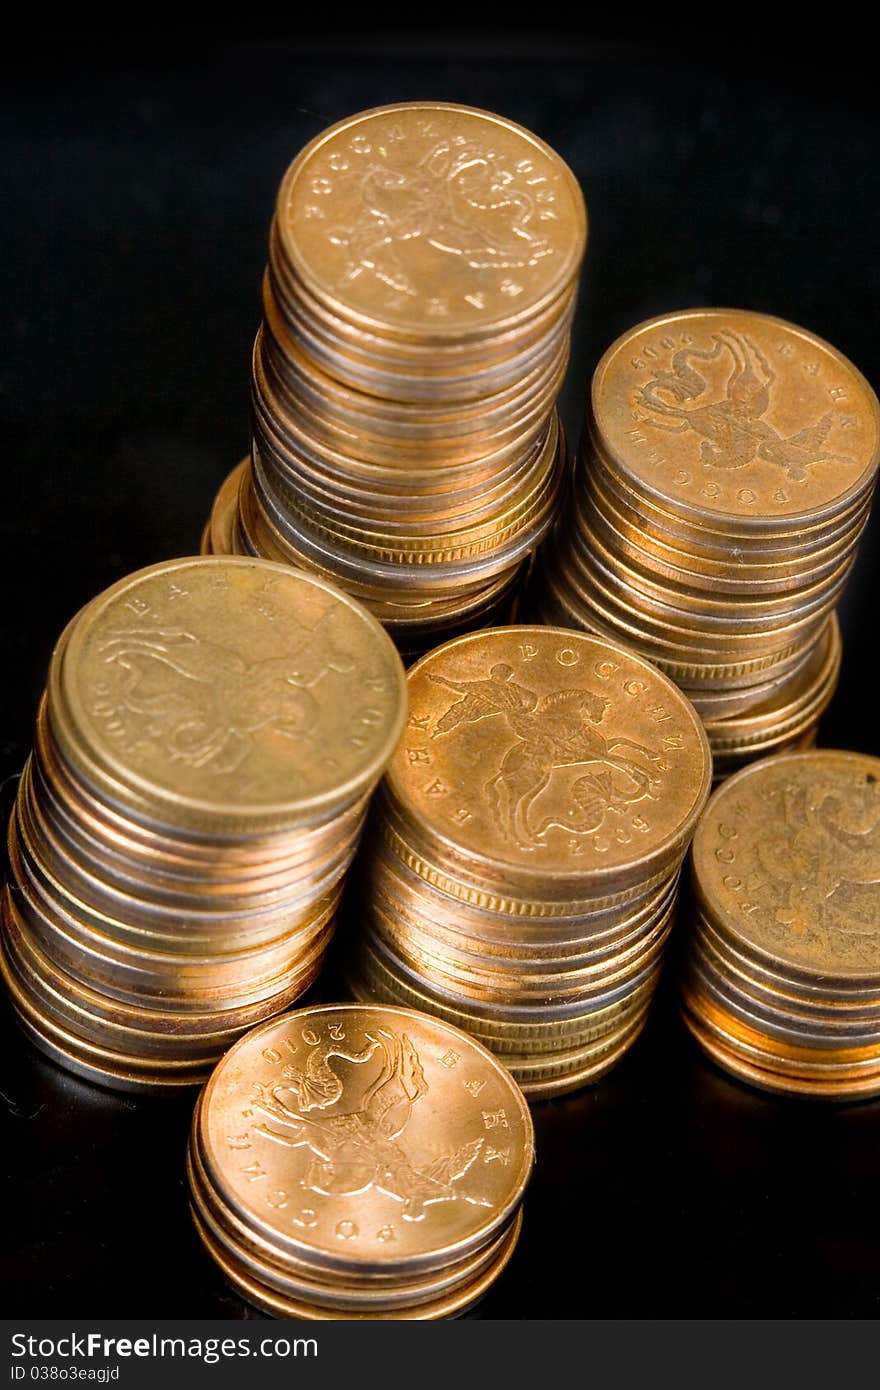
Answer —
204 753
417 307
359 1162
783 974
725 476
528 842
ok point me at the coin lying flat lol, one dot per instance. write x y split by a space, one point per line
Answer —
727 467
523 864
417 308
737 418
213 688
784 959
551 755
203 756
361 1157
430 218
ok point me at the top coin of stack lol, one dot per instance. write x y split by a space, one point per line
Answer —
417 306
725 476
203 758
527 844
359 1162
783 972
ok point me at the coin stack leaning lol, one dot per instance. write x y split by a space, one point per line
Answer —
204 753
359 1162
725 476
417 306
523 867
782 986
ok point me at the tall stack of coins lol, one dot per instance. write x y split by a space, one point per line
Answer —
359 1162
528 842
783 979
726 473
417 306
204 753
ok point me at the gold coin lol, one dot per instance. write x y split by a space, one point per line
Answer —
551 758
762 1049
228 694
431 221
705 543
284 1306
355 1173
464 879
859 1088
736 418
548 1087
380 971
862 999
373 1294
787 860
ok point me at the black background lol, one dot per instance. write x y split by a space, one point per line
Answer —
734 167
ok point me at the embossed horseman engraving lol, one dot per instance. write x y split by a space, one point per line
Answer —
555 731
205 702
733 430
461 199
357 1148
827 847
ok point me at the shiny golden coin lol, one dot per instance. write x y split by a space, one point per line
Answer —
548 756
431 220
787 860
548 1087
859 1002
765 1050
776 1081
285 1306
379 974
779 1025
686 560
92 1062
272 698
372 1294
739 418
388 1140
705 543
241 1238
465 879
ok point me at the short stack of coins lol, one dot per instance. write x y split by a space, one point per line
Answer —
417 305
523 866
358 1162
725 476
783 971
204 753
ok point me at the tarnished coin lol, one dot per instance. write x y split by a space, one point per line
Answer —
431 220
549 755
227 694
365 1138
787 861
737 417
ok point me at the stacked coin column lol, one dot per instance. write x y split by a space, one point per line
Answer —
203 758
417 307
521 880
392 1153
725 475
782 986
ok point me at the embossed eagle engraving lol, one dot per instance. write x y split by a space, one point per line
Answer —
358 1148
554 731
463 200
824 860
204 702
733 430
